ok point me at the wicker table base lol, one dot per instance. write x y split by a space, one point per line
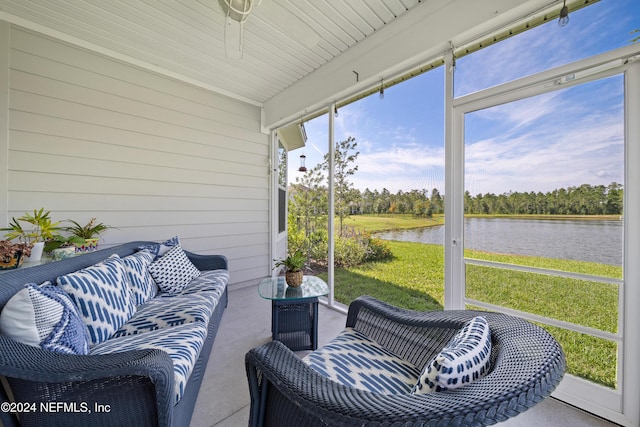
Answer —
294 322
294 311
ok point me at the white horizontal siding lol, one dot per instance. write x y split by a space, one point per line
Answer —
89 136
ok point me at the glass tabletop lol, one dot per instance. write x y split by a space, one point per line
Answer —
275 288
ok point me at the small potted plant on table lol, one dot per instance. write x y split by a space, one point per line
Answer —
89 233
293 264
42 229
61 247
13 254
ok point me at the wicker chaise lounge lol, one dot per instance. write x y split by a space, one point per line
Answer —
526 365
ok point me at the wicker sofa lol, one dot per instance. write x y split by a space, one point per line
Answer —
146 373
526 364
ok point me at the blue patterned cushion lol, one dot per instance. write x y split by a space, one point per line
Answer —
101 293
173 271
141 284
354 360
183 344
464 359
209 281
163 312
44 316
159 249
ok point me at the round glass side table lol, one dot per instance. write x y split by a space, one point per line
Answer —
294 311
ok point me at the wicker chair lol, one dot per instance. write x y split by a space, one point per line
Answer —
527 365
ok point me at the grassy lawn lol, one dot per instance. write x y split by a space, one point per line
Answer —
414 279
387 222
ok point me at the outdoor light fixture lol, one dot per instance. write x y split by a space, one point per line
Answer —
335 111
564 15
381 89
302 167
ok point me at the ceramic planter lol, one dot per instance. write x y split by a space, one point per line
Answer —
63 253
36 252
14 262
89 245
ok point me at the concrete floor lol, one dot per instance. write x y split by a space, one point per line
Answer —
224 395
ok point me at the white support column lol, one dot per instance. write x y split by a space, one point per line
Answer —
454 195
5 29
331 219
631 369
273 206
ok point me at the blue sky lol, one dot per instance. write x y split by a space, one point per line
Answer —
565 138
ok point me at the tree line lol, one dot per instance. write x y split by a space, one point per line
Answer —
310 196
585 199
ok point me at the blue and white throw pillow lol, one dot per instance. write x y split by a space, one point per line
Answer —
141 284
159 249
46 317
173 271
464 359
101 293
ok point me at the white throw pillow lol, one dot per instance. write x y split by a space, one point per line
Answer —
141 284
160 249
173 271
464 359
101 293
46 317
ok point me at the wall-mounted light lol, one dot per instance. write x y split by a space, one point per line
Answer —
335 110
381 89
302 167
564 15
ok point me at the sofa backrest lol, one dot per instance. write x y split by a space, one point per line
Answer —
14 280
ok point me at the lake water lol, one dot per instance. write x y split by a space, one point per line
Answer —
594 240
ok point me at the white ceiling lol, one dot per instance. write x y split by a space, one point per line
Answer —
298 54
186 37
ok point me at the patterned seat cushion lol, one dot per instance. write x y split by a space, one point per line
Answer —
141 284
161 313
183 344
354 360
101 293
466 358
209 281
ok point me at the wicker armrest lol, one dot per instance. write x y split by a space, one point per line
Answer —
396 314
49 376
208 262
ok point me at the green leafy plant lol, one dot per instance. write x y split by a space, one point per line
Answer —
59 241
42 228
90 230
293 262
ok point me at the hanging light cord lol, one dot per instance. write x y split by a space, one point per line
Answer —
244 14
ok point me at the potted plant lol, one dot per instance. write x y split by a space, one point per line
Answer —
13 254
60 247
90 233
293 264
42 229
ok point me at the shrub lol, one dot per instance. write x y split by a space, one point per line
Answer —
349 252
378 250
